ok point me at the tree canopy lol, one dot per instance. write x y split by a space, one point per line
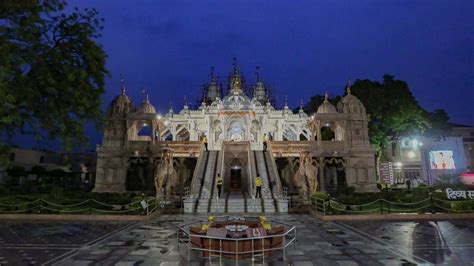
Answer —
393 111
52 70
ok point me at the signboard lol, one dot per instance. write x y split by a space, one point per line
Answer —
144 204
459 194
386 173
441 160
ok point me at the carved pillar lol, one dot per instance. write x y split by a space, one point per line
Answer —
322 180
318 132
153 129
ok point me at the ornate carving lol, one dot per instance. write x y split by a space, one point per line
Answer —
165 175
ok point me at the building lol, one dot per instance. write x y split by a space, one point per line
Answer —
80 165
426 158
467 134
164 154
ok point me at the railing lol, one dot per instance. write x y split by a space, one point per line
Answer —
252 173
180 148
184 236
198 172
144 206
383 206
275 170
290 148
294 148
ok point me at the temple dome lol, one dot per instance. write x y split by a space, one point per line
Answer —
120 104
146 107
351 104
326 107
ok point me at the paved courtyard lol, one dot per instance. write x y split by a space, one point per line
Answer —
319 243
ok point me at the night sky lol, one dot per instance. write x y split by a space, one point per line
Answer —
303 48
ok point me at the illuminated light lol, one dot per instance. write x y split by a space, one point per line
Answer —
411 154
399 164
420 144
468 180
166 122
327 124
144 124
158 117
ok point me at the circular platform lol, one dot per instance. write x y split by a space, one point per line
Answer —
236 237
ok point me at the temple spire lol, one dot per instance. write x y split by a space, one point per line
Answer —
257 73
349 87
122 85
326 97
234 63
146 96
236 85
213 76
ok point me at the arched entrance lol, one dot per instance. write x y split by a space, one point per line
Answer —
139 175
334 175
236 178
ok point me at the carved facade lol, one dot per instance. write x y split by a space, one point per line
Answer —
135 136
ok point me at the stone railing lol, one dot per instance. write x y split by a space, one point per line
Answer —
294 148
290 148
332 146
179 148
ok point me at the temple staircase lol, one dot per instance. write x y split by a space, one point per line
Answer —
206 182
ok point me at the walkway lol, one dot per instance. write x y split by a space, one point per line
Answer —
319 243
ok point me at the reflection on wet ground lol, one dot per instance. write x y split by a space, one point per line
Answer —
430 242
319 243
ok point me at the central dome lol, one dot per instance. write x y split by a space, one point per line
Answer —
326 107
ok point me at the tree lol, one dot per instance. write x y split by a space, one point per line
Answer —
39 171
394 112
16 172
439 121
52 70
57 175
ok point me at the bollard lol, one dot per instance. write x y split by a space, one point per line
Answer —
381 206
431 203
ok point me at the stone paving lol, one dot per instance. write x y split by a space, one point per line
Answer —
445 242
319 243
34 243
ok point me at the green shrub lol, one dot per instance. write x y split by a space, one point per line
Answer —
4 191
320 195
56 193
348 190
459 206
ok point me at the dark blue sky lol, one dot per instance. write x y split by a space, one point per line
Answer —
302 47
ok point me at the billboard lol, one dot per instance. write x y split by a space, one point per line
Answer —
386 173
441 160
